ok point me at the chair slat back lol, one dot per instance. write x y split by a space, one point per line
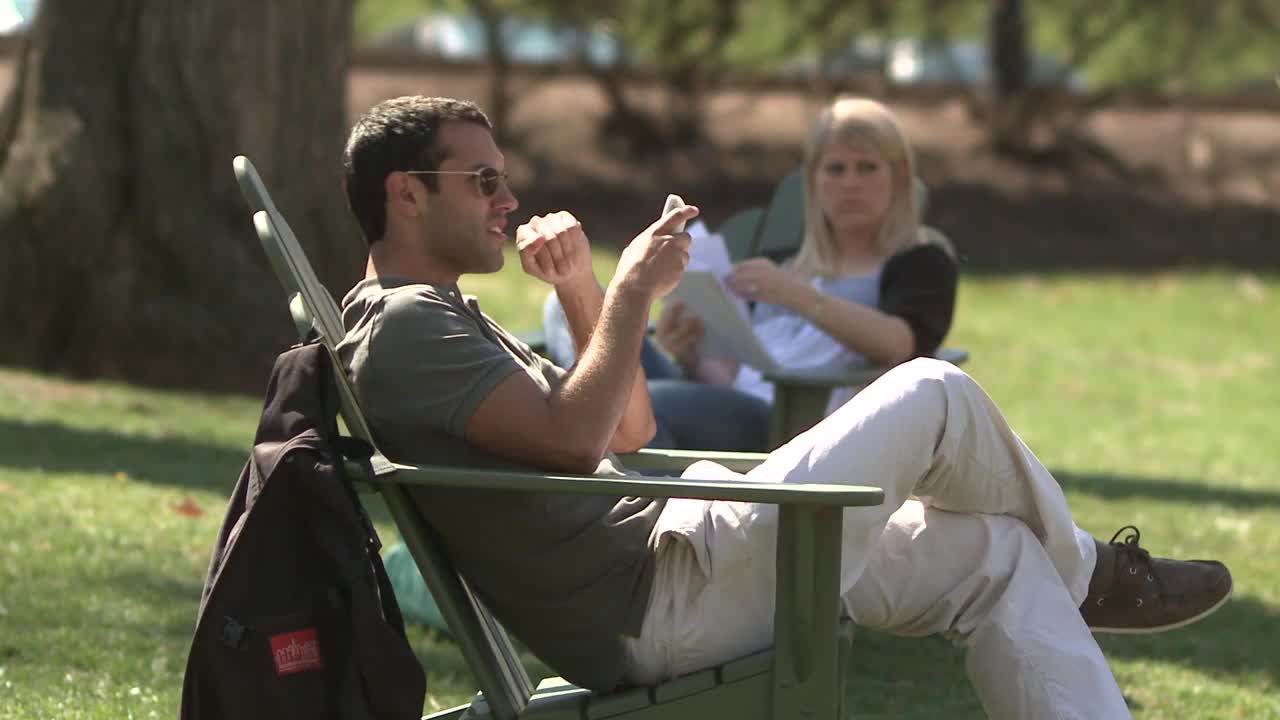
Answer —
288 260
739 232
482 639
783 225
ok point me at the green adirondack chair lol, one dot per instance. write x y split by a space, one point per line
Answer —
740 231
802 676
782 227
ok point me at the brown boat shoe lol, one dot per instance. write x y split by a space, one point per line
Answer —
1132 592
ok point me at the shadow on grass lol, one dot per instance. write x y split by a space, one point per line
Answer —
1116 487
174 461
174 601
178 461
900 677
188 463
889 675
132 613
1239 640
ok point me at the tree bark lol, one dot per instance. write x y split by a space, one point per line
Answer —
1010 69
1010 61
126 250
499 107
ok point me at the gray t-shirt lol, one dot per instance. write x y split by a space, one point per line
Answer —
567 574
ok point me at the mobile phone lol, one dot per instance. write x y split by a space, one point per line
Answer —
673 202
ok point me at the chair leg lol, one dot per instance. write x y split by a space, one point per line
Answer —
845 643
806 670
796 408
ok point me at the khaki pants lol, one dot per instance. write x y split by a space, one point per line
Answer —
987 555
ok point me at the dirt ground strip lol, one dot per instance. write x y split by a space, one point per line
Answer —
1194 187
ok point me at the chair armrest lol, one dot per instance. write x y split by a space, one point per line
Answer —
386 471
845 374
827 376
678 460
801 396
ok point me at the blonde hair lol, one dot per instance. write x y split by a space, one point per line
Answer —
858 121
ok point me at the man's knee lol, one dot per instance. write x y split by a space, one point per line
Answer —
923 375
930 368
923 386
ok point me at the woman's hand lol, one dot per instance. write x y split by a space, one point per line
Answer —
762 280
678 332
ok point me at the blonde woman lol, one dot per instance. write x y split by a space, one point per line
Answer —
867 283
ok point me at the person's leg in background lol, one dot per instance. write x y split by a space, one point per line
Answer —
561 351
699 416
691 415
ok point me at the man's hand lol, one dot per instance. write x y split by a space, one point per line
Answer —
654 261
554 249
678 332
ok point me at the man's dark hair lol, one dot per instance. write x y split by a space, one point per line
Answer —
397 134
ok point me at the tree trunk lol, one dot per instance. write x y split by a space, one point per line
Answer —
499 107
1010 74
126 250
1010 61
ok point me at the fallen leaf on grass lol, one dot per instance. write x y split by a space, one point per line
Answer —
187 507
1252 289
1075 387
5 488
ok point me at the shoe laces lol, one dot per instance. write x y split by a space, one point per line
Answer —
1135 554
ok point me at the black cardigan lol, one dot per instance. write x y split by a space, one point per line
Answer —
919 285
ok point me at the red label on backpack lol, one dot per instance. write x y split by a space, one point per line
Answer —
298 651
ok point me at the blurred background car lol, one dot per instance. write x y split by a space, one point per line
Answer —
16 15
919 62
461 37
914 62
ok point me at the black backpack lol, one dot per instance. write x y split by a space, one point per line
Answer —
298 619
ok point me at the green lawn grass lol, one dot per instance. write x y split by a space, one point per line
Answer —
1150 396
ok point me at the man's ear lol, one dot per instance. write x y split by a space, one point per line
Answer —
402 194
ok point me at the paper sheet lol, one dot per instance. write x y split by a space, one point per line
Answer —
708 252
727 330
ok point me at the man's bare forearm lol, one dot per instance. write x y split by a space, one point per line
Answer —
582 302
603 402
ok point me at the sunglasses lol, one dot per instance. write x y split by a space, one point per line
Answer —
488 179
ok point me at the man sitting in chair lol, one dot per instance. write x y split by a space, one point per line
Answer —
626 590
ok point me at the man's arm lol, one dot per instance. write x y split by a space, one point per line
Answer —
583 302
571 428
